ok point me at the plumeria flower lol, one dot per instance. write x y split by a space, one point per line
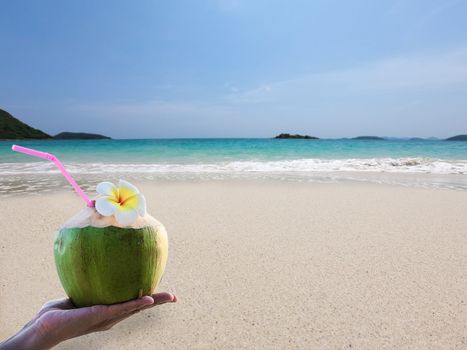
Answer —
124 202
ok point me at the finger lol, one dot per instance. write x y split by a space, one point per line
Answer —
53 302
117 310
109 324
162 298
64 304
59 304
159 299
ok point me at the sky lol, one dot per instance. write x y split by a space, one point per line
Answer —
236 68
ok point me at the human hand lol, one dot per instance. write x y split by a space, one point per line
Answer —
59 320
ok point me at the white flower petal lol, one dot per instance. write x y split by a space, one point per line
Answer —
105 206
126 217
142 205
129 186
106 189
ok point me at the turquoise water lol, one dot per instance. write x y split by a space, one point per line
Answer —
183 151
419 163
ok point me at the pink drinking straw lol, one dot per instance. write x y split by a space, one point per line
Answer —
60 167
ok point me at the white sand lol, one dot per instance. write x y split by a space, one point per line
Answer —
270 266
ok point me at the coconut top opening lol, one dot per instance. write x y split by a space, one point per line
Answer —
90 217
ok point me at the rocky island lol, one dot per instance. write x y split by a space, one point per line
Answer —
296 136
417 139
80 136
368 138
457 138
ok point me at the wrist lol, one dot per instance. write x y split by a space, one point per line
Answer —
29 338
44 338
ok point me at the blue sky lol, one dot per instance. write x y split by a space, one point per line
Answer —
236 68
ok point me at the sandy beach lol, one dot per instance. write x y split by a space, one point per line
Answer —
270 265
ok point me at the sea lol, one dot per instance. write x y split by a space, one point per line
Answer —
415 163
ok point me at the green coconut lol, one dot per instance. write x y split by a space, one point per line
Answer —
100 262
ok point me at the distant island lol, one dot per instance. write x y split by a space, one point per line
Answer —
368 138
14 129
457 138
296 136
79 136
418 139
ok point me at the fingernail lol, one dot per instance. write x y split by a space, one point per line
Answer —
172 299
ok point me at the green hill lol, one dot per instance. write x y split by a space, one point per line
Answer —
458 138
14 129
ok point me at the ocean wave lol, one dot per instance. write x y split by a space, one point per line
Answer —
389 165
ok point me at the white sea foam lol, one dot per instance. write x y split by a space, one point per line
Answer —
389 165
36 177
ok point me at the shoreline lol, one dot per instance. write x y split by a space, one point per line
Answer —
12 186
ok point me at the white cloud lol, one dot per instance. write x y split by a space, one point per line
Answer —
392 74
415 94
396 74
228 6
